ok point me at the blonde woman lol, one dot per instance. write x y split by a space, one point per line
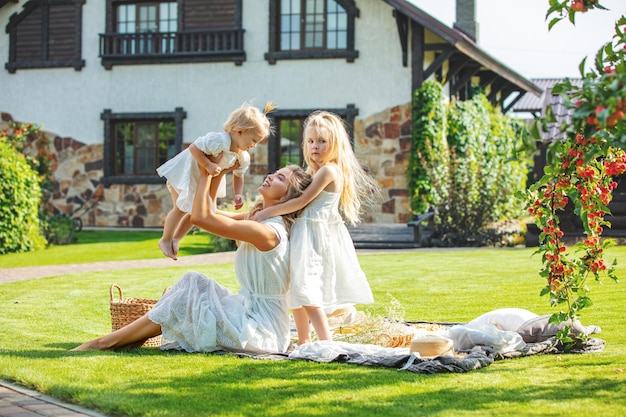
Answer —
199 315
325 272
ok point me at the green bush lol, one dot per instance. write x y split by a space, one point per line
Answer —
20 194
59 229
471 179
486 144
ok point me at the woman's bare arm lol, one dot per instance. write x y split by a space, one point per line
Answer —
321 179
205 216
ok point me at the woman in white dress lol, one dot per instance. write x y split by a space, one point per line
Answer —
199 315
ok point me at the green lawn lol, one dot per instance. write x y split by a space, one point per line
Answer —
98 246
40 320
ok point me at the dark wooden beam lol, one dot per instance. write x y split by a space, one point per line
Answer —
436 46
417 56
509 106
496 86
402 22
456 66
487 78
438 62
464 78
504 93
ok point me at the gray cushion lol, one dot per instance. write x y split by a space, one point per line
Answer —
538 329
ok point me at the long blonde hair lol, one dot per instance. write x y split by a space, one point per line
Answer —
248 117
359 189
296 184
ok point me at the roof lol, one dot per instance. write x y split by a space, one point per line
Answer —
535 104
465 45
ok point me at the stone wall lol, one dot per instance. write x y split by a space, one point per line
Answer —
382 143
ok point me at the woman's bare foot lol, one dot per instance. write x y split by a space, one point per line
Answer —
167 248
91 345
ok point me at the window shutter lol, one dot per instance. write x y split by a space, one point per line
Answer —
200 14
62 37
29 35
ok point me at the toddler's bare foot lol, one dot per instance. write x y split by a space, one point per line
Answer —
167 248
175 246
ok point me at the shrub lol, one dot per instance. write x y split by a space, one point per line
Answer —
474 175
20 194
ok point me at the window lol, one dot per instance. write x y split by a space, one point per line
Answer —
135 144
290 131
169 31
285 145
154 23
307 29
46 34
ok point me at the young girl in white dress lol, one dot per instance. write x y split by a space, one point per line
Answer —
245 127
198 314
325 272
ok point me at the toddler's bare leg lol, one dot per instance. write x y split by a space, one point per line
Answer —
184 226
169 228
128 336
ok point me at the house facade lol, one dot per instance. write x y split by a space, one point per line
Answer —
121 86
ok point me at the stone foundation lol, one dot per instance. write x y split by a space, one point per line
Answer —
382 143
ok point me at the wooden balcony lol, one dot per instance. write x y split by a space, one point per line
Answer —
221 45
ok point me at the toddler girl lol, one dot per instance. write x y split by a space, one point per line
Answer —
324 269
245 127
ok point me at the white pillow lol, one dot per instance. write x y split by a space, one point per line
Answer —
507 319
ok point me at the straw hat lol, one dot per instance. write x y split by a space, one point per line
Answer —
432 345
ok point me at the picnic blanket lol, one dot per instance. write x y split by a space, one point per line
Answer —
485 352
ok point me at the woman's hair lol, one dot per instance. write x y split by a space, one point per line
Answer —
297 182
359 189
248 117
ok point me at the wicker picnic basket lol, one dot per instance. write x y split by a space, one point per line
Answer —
127 310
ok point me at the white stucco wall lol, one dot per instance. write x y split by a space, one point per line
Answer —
69 102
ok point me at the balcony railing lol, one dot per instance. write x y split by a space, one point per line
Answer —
162 47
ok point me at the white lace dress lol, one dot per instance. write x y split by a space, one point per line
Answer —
199 315
182 171
324 269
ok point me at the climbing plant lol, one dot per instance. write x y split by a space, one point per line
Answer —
427 142
582 166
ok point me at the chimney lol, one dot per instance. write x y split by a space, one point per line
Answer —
466 18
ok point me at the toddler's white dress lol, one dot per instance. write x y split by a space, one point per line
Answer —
324 269
182 171
199 315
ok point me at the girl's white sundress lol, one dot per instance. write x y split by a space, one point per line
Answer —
324 269
199 315
182 171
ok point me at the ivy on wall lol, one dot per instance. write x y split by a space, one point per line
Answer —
427 139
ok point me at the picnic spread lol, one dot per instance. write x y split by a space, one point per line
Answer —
439 347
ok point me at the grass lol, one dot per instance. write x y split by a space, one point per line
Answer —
98 246
42 319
